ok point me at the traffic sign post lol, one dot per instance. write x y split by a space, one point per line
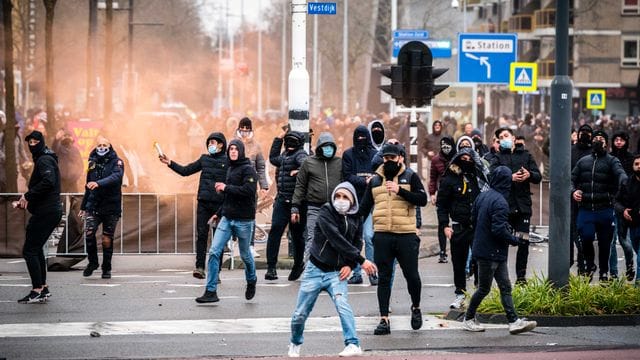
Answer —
486 58
321 8
523 76
596 99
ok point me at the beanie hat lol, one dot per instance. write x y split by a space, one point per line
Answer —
601 133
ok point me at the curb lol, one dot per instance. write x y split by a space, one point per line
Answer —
556 321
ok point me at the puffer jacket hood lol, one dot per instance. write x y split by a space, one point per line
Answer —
377 137
297 135
464 137
501 181
219 137
360 131
347 186
325 138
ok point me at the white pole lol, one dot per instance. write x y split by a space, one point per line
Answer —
259 62
298 76
314 85
283 54
345 58
394 26
233 67
219 105
464 16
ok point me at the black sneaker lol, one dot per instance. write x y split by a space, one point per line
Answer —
521 281
106 274
33 298
45 292
373 280
208 297
250 292
355 279
383 328
295 273
416 318
604 278
443 258
271 274
89 269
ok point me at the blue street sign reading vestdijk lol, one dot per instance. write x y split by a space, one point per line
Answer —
486 58
321 8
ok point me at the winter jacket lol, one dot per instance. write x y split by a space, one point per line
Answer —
214 169
629 198
286 162
520 196
43 192
107 171
439 165
623 154
254 154
599 177
490 216
456 194
240 187
432 140
337 240
578 151
356 160
394 213
318 176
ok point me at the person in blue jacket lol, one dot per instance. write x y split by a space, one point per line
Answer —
493 235
101 203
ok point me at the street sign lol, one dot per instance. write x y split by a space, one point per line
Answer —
321 8
596 99
486 57
523 76
411 34
439 48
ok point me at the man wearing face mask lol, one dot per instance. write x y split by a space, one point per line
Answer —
393 194
627 203
438 166
288 163
317 178
619 149
458 190
42 200
579 150
213 166
594 182
101 203
525 171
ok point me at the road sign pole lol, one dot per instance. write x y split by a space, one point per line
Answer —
298 76
559 201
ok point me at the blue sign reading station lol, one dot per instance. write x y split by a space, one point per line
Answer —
486 58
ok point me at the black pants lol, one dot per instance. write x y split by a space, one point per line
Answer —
461 241
520 222
575 241
280 218
442 240
39 229
489 270
387 247
109 223
204 212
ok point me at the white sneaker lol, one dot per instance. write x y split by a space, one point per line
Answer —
351 350
458 303
472 325
521 325
294 350
254 253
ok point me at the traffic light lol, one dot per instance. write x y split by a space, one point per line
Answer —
412 79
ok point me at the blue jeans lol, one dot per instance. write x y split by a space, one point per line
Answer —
313 282
242 229
367 236
621 234
487 271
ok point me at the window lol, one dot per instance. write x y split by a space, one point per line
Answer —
630 46
631 7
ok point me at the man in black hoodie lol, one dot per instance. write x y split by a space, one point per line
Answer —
237 218
439 164
102 203
620 149
627 203
578 150
42 200
214 167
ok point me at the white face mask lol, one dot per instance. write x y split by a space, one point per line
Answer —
342 205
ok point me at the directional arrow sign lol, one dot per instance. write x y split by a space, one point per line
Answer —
486 58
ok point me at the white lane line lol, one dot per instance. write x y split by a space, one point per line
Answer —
15 285
15 261
12 278
214 326
101 285
438 285
173 270
145 282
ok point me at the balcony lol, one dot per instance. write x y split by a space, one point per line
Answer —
547 69
520 23
546 18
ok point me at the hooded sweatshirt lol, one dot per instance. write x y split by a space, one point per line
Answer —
623 154
439 164
318 176
240 186
337 238
378 137
356 160
43 192
214 169
490 216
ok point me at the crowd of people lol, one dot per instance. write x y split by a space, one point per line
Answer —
336 199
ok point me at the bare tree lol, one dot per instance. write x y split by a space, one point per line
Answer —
10 130
49 6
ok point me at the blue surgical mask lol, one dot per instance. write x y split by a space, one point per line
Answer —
102 151
213 149
506 144
327 151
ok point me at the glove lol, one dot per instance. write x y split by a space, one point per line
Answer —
523 238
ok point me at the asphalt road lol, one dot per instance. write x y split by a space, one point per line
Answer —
147 310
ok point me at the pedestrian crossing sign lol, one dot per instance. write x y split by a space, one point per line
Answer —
596 99
523 76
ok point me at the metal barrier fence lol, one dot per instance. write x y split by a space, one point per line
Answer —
156 224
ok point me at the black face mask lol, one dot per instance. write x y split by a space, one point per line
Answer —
477 143
390 169
584 138
37 149
466 166
377 136
291 142
598 147
519 146
361 142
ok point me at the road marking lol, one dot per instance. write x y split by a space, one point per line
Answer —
15 285
438 285
101 285
274 285
12 278
15 261
215 326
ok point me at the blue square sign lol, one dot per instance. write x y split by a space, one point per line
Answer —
320 8
486 58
